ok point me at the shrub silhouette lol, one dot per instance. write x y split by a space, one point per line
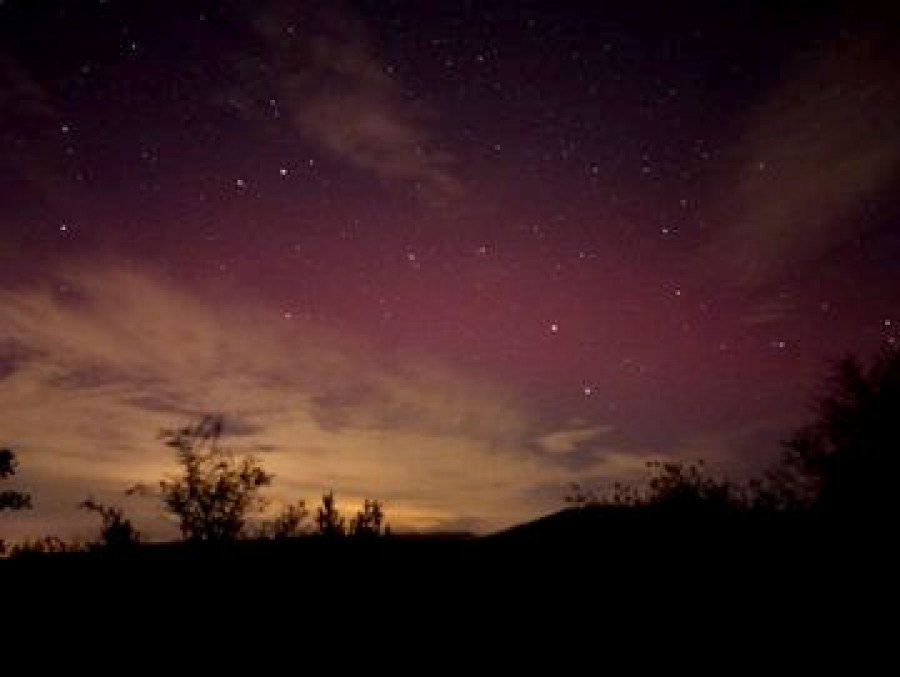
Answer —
329 520
289 524
118 533
674 487
44 546
217 490
369 521
621 495
845 462
681 487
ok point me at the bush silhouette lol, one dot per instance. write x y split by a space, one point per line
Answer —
681 487
673 487
369 521
329 521
289 524
118 533
46 545
217 490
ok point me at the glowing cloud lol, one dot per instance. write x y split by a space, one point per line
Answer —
99 359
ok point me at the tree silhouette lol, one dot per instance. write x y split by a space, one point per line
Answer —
217 490
845 463
11 500
289 524
329 520
369 521
118 532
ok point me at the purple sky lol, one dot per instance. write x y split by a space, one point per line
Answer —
450 255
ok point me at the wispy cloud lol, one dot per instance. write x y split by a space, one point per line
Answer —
327 79
572 438
816 149
100 358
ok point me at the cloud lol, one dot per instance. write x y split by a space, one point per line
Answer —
819 147
571 439
99 358
331 85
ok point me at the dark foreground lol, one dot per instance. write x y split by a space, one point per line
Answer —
589 578
586 546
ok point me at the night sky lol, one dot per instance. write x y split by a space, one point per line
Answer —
453 255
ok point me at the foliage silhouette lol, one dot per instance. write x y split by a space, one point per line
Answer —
845 462
688 487
289 524
369 521
329 521
46 545
118 532
842 465
11 500
217 491
674 487
622 494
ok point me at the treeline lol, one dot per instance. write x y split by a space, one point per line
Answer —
842 467
215 498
